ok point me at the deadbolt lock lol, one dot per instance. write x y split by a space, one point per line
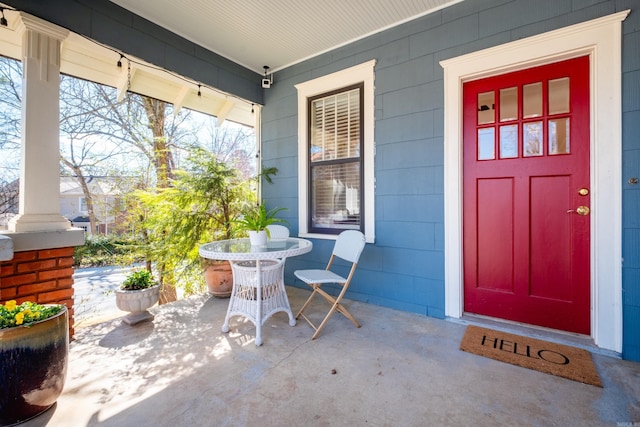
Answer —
583 191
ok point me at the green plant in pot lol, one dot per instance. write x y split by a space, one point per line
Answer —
138 292
255 221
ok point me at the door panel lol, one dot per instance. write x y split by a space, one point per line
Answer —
526 159
495 234
550 238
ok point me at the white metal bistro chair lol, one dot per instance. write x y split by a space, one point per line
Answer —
348 247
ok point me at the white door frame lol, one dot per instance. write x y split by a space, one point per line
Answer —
601 39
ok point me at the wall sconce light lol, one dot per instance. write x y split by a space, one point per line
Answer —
267 80
199 91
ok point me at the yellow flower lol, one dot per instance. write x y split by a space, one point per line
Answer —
19 318
10 305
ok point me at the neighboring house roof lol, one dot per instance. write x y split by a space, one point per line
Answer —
69 186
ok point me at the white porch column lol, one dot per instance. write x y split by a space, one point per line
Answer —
40 146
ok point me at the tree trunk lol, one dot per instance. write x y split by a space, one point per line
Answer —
163 164
162 156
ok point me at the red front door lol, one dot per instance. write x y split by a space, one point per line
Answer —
526 196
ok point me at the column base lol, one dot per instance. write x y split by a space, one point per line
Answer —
38 222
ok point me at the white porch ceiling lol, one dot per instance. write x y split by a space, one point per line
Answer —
277 33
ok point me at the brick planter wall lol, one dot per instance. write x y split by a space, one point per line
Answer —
44 276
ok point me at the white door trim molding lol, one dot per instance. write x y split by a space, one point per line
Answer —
601 39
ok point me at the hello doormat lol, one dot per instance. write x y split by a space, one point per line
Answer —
556 359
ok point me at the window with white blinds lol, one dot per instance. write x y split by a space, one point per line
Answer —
336 152
335 169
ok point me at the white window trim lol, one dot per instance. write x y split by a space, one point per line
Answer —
601 39
350 76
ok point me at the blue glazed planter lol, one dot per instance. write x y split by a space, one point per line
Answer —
33 367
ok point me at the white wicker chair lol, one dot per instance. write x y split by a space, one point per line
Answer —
348 247
277 231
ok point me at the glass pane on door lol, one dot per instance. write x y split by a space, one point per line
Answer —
532 135
486 108
486 144
559 96
508 104
559 136
508 141
532 100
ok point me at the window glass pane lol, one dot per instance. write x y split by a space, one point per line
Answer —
532 100
486 108
559 136
508 104
559 96
335 126
532 134
336 196
508 141
486 144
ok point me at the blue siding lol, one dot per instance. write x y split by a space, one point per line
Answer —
631 192
404 269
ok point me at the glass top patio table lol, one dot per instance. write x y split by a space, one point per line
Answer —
241 249
249 273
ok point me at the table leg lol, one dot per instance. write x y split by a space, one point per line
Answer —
259 302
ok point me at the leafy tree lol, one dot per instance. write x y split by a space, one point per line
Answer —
201 205
98 133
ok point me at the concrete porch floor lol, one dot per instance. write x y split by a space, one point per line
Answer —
399 369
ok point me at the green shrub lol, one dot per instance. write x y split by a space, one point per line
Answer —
101 250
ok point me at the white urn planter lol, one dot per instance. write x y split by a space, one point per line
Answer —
258 238
137 303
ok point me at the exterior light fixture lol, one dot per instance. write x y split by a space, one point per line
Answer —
267 81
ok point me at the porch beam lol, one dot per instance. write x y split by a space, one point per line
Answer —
179 101
224 111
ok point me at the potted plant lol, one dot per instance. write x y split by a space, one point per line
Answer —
255 221
34 347
138 292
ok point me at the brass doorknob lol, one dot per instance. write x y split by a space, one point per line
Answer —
580 210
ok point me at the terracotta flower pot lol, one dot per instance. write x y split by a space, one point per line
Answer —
33 367
219 278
